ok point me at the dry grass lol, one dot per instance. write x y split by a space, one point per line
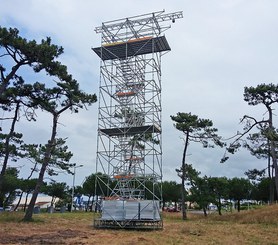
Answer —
249 227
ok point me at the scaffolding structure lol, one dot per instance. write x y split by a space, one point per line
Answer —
129 147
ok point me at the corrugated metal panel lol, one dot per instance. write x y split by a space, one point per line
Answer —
149 210
113 210
131 210
120 210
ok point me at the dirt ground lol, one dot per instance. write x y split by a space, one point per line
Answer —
77 228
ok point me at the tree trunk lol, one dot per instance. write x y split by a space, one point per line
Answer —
219 209
5 82
47 156
238 205
205 212
19 200
26 199
219 206
271 180
52 201
7 153
183 207
274 162
5 204
273 148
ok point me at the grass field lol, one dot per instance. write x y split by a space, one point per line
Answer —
258 226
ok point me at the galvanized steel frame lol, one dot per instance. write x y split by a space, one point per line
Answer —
129 145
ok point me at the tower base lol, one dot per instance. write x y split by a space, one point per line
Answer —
129 214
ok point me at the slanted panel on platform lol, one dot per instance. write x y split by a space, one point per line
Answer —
127 49
131 130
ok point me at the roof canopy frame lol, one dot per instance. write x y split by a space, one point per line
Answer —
136 26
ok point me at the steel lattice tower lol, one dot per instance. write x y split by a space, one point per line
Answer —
129 150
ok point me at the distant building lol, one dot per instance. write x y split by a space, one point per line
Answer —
41 202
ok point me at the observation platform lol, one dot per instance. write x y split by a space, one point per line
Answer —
139 46
129 131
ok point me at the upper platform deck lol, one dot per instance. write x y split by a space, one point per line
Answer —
130 131
134 47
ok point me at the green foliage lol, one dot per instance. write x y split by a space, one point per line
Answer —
171 191
39 56
64 95
197 129
27 185
261 190
89 185
255 175
188 173
10 183
239 189
204 190
56 190
102 181
59 159
257 144
200 192
13 148
219 190
264 141
266 94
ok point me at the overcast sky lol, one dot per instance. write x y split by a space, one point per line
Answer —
218 48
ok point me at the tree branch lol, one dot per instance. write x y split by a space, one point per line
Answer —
235 144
